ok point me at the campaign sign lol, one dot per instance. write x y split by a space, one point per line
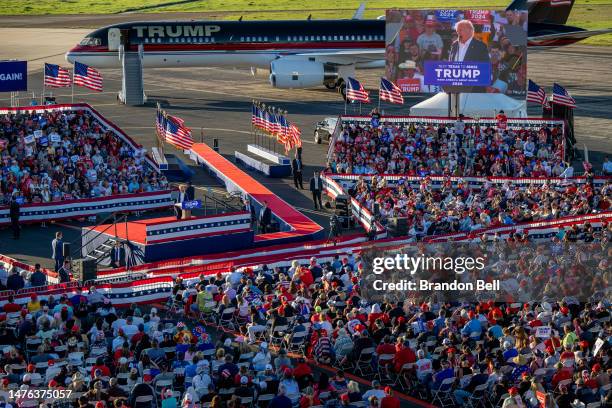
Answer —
446 15
38 134
409 84
13 76
543 332
28 139
478 16
190 205
457 73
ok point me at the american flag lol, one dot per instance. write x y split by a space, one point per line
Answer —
295 135
254 115
88 77
561 97
355 91
268 125
177 133
283 136
160 122
536 93
390 92
56 76
276 125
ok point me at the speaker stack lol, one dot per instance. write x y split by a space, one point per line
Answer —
343 210
397 226
84 269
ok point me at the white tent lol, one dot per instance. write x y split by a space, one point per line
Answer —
484 105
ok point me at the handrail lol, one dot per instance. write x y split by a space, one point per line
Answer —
108 217
122 218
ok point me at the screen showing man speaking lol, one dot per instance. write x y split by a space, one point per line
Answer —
429 51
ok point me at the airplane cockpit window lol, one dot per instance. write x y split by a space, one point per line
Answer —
91 41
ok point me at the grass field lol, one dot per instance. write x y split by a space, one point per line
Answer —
590 14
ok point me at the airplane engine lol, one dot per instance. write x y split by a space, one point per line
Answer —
301 74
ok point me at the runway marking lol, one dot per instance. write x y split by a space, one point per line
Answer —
244 96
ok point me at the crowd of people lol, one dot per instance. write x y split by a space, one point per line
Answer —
64 155
434 210
454 149
269 337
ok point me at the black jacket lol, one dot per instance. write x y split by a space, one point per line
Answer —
14 210
296 166
265 217
477 51
190 193
312 184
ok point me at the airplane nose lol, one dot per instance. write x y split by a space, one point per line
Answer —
70 55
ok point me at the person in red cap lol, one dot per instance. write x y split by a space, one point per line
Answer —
514 400
389 400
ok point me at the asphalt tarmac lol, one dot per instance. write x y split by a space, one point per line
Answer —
216 103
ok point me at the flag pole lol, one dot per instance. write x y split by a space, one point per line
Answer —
42 94
72 91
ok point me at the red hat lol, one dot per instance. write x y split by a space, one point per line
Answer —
53 383
50 362
31 368
596 368
33 297
344 397
564 310
471 314
288 371
5 381
388 390
147 378
513 391
99 404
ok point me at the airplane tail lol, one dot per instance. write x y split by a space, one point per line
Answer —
545 11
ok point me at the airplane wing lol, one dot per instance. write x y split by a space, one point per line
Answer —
565 38
344 57
579 35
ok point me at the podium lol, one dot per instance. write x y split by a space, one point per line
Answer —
185 212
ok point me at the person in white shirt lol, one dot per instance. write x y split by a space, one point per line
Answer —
129 329
376 391
423 366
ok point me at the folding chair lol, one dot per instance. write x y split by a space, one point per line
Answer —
297 342
384 362
277 335
264 399
364 361
444 394
246 401
226 320
208 314
478 397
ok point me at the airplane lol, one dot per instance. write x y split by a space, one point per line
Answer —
298 53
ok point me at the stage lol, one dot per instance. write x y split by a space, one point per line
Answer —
167 237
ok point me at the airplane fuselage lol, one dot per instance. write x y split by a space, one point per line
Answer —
228 43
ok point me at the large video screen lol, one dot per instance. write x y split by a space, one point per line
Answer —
430 51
